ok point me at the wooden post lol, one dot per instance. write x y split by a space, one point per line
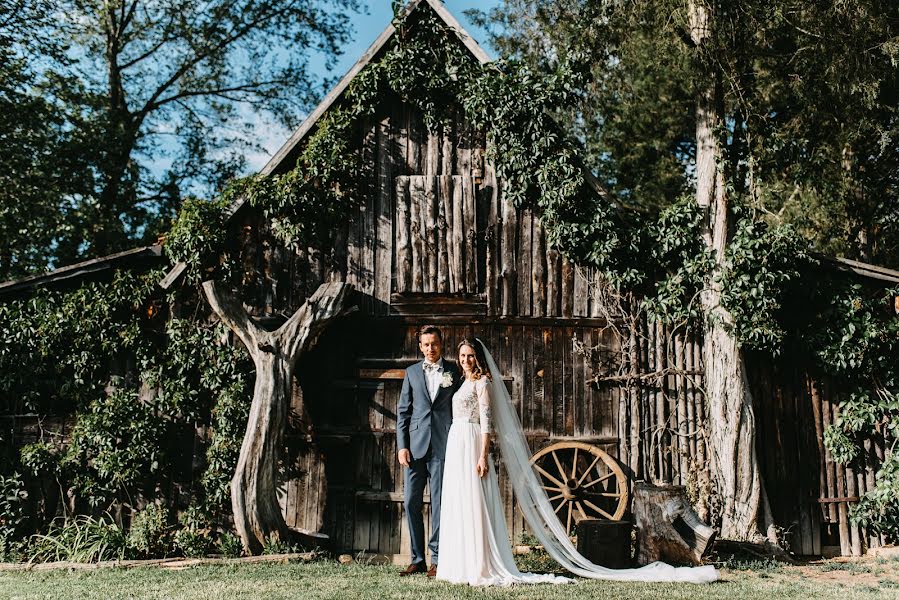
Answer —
384 242
458 236
416 193
404 248
469 213
443 199
539 267
552 282
507 257
567 288
254 499
429 229
525 251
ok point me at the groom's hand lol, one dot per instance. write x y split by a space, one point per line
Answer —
404 456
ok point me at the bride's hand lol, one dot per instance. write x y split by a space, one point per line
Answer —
482 467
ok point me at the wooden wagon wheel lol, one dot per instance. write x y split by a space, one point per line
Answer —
582 482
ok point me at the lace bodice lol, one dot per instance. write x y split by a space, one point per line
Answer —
472 402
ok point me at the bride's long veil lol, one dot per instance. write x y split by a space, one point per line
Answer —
538 511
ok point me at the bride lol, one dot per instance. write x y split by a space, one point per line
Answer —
475 544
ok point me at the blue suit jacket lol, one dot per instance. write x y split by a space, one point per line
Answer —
420 423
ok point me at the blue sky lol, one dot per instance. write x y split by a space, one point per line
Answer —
367 26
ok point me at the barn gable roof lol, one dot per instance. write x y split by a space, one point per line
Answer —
280 161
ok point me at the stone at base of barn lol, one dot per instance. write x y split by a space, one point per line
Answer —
604 542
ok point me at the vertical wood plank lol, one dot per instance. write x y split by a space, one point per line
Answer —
385 236
413 142
404 246
508 273
525 252
429 228
538 261
444 236
581 288
553 265
491 191
469 214
458 235
683 427
567 288
688 396
417 195
432 154
446 150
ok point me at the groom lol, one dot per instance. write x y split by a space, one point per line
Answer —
424 416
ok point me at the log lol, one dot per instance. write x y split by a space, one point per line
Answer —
469 215
668 528
458 236
448 251
507 255
416 192
403 243
254 500
429 230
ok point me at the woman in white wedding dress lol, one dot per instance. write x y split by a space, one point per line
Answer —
474 540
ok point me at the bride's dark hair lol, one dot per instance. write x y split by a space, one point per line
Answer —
479 359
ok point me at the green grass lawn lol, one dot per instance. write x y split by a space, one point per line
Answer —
328 579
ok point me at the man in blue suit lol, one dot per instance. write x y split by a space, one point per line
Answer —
424 416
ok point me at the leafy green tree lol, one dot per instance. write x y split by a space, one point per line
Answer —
784 109
154 100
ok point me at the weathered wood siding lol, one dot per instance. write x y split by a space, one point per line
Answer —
351 393
433 221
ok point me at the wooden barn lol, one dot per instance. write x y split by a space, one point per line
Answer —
437 242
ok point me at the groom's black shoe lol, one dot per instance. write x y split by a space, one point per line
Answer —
432 571
414 568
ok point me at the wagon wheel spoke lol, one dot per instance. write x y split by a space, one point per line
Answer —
605 494
568 528
558 464
543 472
587 472
600 480
551 488
581 508
598 509
561 504
574 463
556 497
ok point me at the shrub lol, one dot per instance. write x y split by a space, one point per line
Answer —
193 538
229 545
276 546
79 539
192 543
150 534
13 513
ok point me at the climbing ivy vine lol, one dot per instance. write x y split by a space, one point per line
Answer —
850 330
137 383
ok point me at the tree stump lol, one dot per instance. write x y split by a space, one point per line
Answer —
668 528
254 500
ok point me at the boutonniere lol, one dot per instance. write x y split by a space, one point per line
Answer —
447 379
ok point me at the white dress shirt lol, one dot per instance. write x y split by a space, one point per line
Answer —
433 377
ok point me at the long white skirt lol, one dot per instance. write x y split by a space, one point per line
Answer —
474 540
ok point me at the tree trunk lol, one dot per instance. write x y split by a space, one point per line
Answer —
731 419
254 500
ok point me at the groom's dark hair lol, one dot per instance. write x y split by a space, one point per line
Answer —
427 329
